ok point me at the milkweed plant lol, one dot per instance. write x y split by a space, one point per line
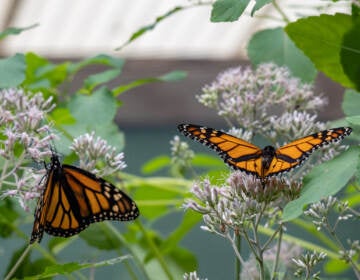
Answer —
266 102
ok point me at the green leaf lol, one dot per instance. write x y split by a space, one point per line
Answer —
97 79
62 116
350 105
155 164
43 75
12 71
95 112
154 195
102 59
228 10
320 38
149 27
15 30
98 236
354 120
8 216
350 54
273 45
205 160
324 180
335 266
258 5
190 219
68 268
169 77
96 109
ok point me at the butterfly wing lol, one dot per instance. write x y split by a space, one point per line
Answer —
74 198
293 154
237 153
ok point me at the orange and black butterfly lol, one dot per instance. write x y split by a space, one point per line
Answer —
74 198
266 162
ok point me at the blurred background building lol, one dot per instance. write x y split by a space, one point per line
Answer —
187 40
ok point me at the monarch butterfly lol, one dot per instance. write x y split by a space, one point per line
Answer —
265 162
74 198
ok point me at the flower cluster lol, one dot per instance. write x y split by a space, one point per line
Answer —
270 104
239 201
306 264
246 97
91 149
24 137
192 276
181 152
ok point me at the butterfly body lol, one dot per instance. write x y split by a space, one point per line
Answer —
74 198
266 162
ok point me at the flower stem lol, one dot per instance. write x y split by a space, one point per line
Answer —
237 261
155 251
278 249
18 263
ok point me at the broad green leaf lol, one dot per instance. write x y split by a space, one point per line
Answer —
350 54
99 236
62 116
320 38
258 5
97 79
190 219
95 112
228 10
205 160
15 30
150 27
169 77
155 164
68 268
12 71
181 261
273 45
354 120
350 104
8 216
154 200
324 180
335 266
43 75
96 109
57 244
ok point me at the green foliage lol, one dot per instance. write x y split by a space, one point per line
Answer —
68 268
12 71
350 54
137 34
228 10
169 77
15 31
350 105
324 180
8 216
326 32
274 45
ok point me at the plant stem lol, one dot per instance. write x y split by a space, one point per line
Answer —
17 264
237 261
139 263
155 251
284 16
278 250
